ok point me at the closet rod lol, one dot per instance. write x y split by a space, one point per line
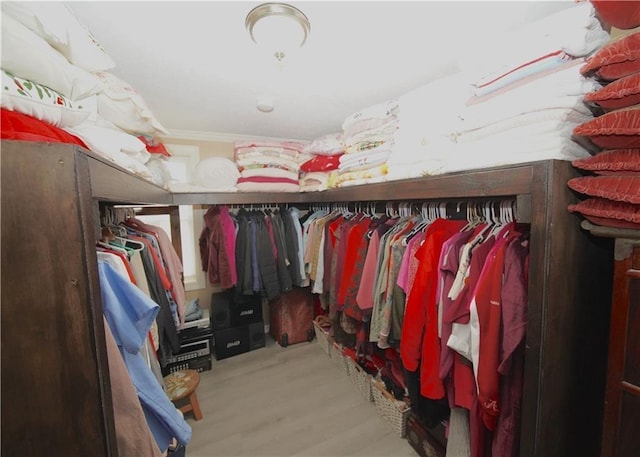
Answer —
455 207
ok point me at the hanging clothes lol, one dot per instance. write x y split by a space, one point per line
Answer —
129 314
168 340
171 262
450 294
130 265
267 252
217 247
391 265
283 257
511 367
295 226
133 435
419 344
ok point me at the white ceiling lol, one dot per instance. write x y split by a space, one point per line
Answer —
198 70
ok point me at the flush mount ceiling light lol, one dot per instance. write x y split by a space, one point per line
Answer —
278 27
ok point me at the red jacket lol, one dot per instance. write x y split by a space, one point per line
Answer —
419 343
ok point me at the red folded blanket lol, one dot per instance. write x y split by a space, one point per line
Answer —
18 126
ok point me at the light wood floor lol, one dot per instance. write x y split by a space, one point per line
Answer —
289 401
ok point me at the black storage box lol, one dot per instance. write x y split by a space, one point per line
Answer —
231 310
238 340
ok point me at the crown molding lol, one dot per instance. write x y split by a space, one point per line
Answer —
196 135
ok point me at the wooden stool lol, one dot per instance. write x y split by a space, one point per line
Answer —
182 385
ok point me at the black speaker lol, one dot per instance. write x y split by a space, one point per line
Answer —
221 310
231 341
246 309
231 310
256 335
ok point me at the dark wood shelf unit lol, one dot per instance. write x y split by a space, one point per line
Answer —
496 182
620 437
55 384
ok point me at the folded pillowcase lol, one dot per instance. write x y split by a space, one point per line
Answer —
618 94
616 59
19 126
314 181
369 125
61 29
619 129
43 103
265 171
617 188
28 56
613 161
120 104
321 163
574 30
510 75
286 150
267 184
609 213
326 145
385 110
295 146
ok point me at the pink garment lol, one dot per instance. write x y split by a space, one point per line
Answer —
364 298
403 272
229 230
414 261
174 269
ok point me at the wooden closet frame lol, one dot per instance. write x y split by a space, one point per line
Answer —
56 393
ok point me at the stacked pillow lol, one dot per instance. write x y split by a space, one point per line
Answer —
613 194
368 136
267 166
325 152
55 71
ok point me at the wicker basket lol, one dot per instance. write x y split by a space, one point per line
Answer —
395 412
360 378
338 358
323 338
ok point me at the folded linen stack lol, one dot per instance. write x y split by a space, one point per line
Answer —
517 104
368 136
267 166
613 194
55 72
325 152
